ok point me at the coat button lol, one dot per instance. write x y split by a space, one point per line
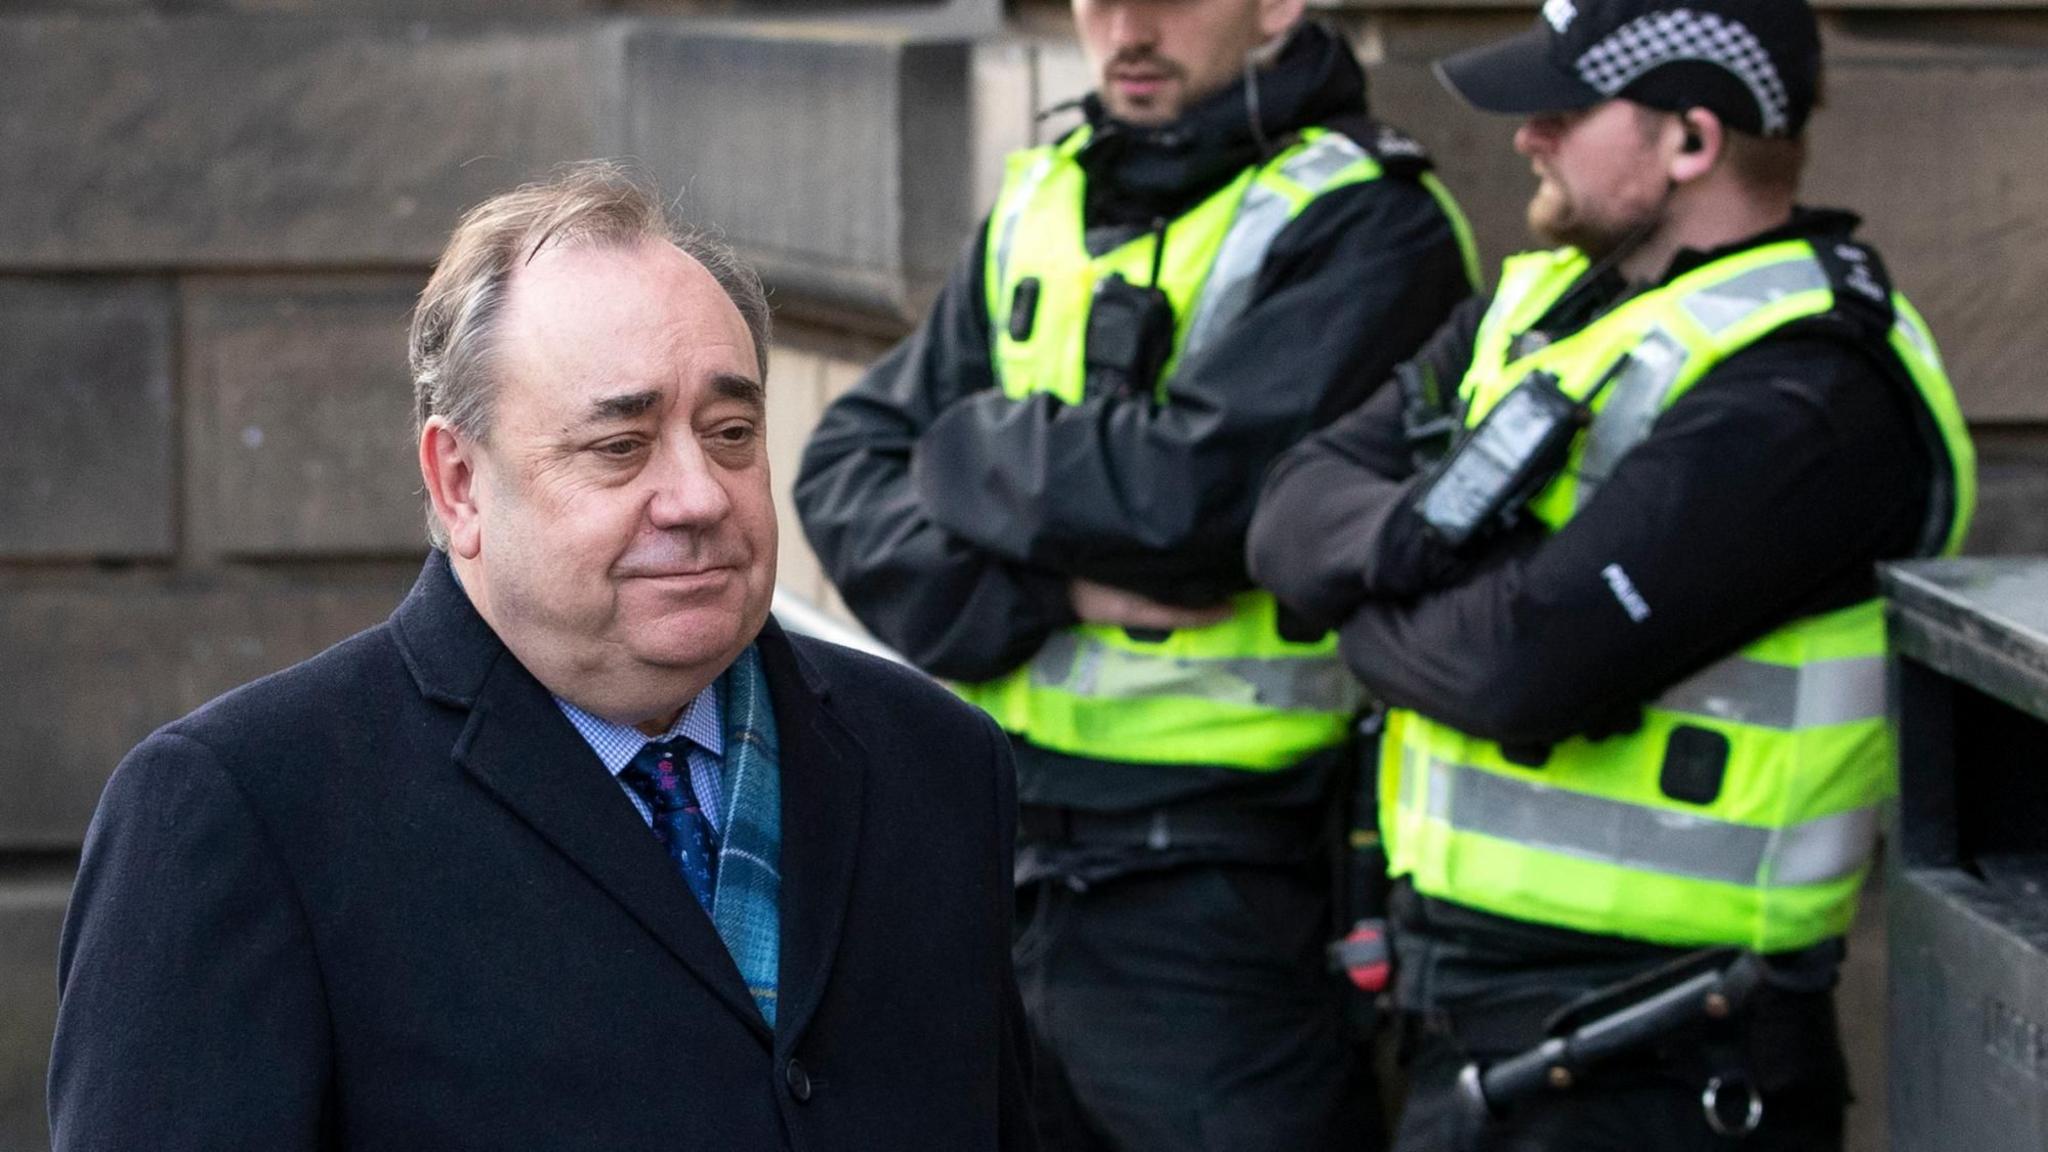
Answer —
797 1080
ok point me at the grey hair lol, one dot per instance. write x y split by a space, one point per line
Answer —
590 204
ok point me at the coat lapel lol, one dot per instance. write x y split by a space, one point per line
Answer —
824 768
522 750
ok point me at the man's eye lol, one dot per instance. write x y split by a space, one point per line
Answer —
735 434
617 448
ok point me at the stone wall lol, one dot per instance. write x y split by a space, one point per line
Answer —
216 213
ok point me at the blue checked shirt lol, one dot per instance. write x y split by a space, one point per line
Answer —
700 725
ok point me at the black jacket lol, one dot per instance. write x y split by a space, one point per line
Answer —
1767 492
389 899
951 518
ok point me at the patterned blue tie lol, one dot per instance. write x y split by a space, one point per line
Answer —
661 779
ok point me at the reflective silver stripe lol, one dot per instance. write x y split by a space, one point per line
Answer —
1260 217
1319 163
1409 775
1937 525
1638 396
1719 307
1922 341
1006 232
1229 286
1634 401
1441 793
1054 666
1085 666
1781 696
1648 839
1823 849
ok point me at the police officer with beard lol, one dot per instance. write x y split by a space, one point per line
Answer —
1608 552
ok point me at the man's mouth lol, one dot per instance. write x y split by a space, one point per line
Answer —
680 573
1140 77
1140 81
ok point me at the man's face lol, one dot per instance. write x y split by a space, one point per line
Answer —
1153 59
1601 171
625 531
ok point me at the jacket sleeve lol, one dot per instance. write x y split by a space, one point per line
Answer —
947 604
1149 495
1325 535
1766 493
191 1013
1013 1076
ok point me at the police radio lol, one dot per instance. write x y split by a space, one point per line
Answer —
1130 332
1499 466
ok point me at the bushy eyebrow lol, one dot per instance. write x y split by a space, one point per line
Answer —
745 389
625 406
632 405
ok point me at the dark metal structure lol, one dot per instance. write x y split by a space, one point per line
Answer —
1969 897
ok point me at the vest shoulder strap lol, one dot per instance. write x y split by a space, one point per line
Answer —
1862 287
1314 162
1398 153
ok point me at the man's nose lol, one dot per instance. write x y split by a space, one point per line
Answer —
1537 134
686 491
1132 25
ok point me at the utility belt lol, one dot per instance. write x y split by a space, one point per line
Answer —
1717 1020
1771 1017
1208 831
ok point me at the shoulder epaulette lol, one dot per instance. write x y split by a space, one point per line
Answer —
1863 289
1398 153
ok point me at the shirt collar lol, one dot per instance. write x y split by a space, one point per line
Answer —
616 744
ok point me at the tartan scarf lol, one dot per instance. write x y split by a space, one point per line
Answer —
745 905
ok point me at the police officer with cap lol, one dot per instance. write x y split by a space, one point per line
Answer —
1607 553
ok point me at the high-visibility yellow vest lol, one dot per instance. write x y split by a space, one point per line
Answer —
1593 839
1233 694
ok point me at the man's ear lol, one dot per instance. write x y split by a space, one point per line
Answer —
1702 140
448 466
1277 16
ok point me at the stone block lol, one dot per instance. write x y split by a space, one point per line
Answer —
85 417
1933 152
804 378
299 416
88 668
795 385
2012 492
835 158
1062 75
841 373
31 921
1005 112
246 141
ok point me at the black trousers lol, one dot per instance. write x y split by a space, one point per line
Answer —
1641 1109
1189 1009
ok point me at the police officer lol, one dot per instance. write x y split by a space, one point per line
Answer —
1608 553
1042 496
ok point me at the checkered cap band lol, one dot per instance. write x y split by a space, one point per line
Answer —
1662 38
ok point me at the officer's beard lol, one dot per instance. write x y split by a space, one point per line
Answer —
1559 218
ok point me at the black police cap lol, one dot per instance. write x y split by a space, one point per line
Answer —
1753 63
